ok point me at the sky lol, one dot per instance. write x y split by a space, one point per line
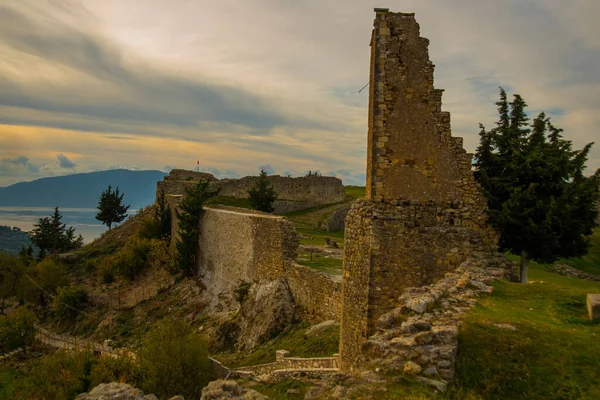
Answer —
88 85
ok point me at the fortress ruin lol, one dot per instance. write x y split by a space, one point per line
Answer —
423 213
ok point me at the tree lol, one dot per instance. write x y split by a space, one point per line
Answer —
313 173
538 197
159 225
11 272
262 195
189 225
111 207
50 234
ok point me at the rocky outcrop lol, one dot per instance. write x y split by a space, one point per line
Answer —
267 311
421 336
222 389
115 391
571 272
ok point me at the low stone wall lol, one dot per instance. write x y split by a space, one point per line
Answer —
317 296
421 335
216 370
291 364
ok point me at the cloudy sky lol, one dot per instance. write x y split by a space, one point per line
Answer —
157 84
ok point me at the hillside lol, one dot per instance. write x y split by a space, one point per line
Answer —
12 239
82 190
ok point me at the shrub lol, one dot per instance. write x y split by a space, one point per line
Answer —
47 274
174 361
70 299
159 256
128 262
115 369
17 330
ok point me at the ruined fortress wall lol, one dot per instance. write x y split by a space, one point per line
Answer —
239 245
412 155
424 213
317 296
311 190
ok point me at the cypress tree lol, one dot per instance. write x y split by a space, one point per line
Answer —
262 195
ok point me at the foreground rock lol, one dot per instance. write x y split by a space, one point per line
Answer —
267 311
571 272
222 389
593 306
115 391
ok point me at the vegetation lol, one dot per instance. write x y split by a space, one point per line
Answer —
262 194
51 235
538 197
131 260
552 354
189 225
174 361
159 225
17 330
13 239
590 262
111 209
313 173
69 300
242 291
48 276
11 274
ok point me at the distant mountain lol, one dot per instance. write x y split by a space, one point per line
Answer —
83 190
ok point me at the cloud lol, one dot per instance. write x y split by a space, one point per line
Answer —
17 165
64 162
267 168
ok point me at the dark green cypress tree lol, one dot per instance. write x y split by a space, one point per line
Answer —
262 195
538 196
188 215
111 208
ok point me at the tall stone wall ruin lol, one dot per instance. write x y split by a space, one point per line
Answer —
424 213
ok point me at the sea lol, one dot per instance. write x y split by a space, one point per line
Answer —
82 219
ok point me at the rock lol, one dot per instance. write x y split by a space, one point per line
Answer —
447 373
222 389
506 326
267 311
332 244
420 304
115 391
335 221
424 337
177 398
593 305
411 368
440 386
430 371
338 392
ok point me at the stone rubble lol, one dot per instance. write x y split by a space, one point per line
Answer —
229 389
115 391
420 337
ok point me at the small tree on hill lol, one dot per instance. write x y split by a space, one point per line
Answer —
189 225
262 195
538 197
50 234
111 207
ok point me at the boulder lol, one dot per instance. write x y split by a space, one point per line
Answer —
115 391
593 305
267 311
222 389
412 368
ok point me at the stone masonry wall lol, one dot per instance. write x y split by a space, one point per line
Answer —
317 296
424 213
239 245
293 193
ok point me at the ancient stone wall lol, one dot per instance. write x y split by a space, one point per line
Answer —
240 246
283 362
317 296
294 194
424 213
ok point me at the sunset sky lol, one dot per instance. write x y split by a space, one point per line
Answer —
239 85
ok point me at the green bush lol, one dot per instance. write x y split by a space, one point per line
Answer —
17 330
69 299
128 262
48 274
174 361
115 369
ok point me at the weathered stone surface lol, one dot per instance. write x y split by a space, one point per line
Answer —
571 272
267 311
593 306
411 368
440 386
222 389
115 391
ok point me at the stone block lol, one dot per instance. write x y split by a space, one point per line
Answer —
593 305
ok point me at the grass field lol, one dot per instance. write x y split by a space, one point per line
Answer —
554 352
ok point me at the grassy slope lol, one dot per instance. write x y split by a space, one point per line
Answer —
7 376
590 262
553 354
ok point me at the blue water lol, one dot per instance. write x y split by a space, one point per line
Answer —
82 219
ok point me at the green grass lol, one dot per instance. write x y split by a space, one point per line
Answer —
316 237
589 263
356 192
331 266
8 377
553 354
323 343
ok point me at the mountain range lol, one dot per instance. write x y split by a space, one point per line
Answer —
83 190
